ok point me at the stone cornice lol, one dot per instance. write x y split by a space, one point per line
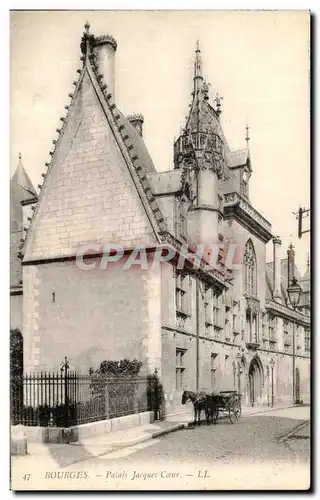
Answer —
175 329
236 206
286 312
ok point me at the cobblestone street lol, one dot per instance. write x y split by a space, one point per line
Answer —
266 450
254 439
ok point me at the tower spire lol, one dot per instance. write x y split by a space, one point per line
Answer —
198 76
247 136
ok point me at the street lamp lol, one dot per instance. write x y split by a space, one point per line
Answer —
294 294
272 389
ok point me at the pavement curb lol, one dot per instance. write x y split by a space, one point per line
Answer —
275 408
124 444
174 428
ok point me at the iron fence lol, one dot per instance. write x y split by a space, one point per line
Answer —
69 398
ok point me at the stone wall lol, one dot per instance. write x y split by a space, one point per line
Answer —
93 315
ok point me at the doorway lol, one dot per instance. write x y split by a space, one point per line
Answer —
255 380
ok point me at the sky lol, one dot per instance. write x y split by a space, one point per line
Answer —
258 61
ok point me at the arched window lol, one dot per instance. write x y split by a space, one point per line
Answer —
250 269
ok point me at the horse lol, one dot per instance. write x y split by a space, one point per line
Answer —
199 401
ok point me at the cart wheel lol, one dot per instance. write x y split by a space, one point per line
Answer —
215 415
235 413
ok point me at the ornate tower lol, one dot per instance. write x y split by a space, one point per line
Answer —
199 153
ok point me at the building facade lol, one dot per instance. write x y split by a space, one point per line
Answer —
219 324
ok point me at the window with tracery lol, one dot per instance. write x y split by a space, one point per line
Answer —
250 269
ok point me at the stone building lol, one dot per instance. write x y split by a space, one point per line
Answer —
204 326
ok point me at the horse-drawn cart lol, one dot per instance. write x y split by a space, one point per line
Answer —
214 403
225 402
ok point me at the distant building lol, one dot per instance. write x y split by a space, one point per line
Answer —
200 328
22 194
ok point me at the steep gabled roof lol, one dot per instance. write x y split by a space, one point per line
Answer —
139 146
21 189
77 136
283 279
21 183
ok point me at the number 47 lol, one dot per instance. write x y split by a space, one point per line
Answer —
26 477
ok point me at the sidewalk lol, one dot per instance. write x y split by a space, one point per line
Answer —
247 411
61 455
53 456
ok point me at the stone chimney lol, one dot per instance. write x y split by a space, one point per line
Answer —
277 296
291 254
137 122
105 47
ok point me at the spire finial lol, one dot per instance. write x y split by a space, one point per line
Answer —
87 27
218 100
197 66
20 157
247 135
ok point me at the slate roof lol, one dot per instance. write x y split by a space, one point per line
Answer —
283 281
139 146
21 183
21 189
15 262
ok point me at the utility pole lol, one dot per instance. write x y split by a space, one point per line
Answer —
302 213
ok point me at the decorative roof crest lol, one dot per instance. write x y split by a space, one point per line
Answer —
101 40
136 117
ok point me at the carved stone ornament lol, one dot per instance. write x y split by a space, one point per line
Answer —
208 156
181 321
86 38
231 198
